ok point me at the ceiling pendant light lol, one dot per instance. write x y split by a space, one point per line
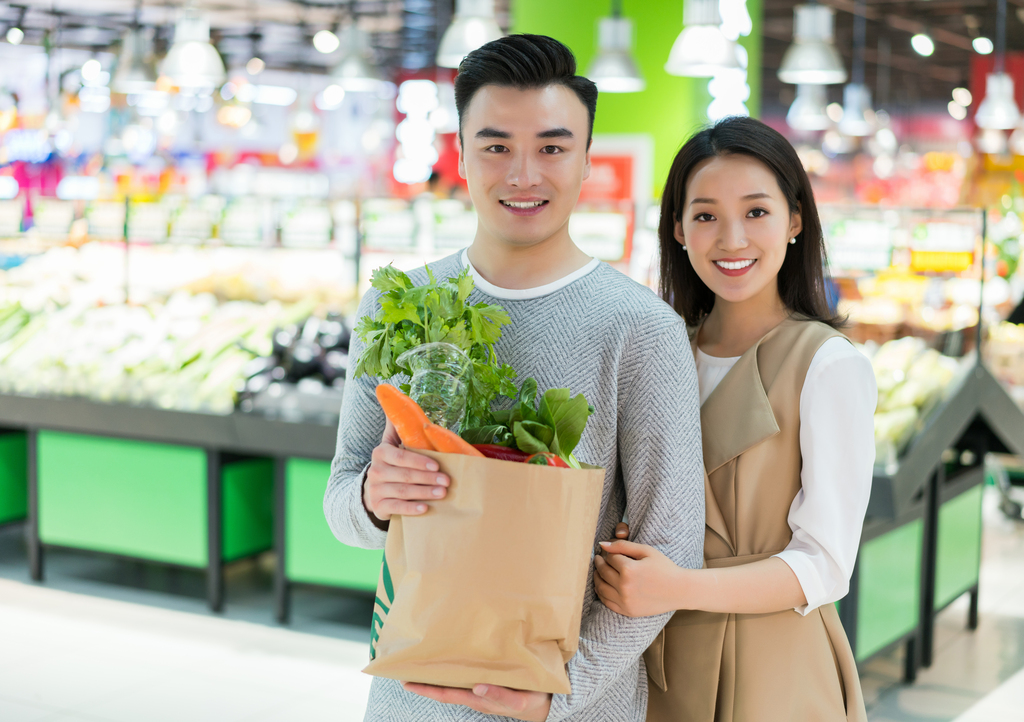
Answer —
613 69
858 117
998 109
135 72
701 50
355 73
808 109
472 26
812 58
192 62
922 44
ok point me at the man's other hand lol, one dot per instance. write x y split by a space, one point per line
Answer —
490 699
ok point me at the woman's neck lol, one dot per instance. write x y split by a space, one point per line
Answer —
732 328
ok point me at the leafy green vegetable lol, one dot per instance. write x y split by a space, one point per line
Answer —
556 425
437 311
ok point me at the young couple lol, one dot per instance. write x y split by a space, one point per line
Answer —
745 475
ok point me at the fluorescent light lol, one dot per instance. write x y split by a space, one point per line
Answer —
963 96
330 98
266 94
134 73
326 42
472 26
998 110
812 58
983 46
858 117
922 44
613 69
808 109
701 49
192 62
15 35
958 111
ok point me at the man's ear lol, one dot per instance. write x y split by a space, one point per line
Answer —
586 161
677 231
462 161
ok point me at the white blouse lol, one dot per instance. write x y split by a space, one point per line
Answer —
837 442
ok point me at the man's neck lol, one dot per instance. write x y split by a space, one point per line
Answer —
523 267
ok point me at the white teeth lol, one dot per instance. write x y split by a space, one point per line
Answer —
528 204
735 265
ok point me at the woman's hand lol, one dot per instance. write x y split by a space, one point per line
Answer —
636 580
489 699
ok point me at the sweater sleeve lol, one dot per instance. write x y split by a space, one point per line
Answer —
837 443
660 456
360 427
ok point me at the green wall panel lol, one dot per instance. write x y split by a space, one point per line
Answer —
670 109
888 604
13 477
133 498
958 548
312 553
248 507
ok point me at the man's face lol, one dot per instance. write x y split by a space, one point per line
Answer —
524 155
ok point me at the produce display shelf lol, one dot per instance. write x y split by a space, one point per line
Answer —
208 500
936 488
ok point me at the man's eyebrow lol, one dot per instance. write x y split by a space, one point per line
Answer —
556 133
492 133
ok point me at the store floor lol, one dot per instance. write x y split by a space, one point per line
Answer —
107 640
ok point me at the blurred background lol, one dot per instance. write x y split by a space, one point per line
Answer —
193 196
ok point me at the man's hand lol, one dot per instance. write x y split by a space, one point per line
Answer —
490 699
399 481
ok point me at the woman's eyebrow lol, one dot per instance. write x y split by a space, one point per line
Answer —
703 200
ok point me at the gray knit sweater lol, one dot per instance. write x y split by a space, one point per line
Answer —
615 341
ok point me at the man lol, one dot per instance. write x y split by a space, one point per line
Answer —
526 122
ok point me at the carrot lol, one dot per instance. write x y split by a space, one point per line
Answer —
448 442
406 415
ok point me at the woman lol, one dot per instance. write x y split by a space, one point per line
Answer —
786 417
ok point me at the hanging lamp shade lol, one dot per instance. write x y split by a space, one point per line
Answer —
613 70
701 49
135 72
808 109
354 72
472 26
857 113
998 110
812 58
192 62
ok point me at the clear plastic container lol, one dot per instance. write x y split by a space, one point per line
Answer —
440 381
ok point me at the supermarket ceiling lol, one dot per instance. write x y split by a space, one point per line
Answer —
405 33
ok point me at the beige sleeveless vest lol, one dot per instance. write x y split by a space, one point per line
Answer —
780 667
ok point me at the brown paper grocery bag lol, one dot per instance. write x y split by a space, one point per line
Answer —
487 587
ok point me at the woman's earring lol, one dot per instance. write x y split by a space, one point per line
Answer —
792 241
684 248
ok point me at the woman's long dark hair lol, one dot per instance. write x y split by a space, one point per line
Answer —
802 276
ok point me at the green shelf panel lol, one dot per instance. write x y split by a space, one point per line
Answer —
312 553
248 507
13 477
958 548
889 587
133 498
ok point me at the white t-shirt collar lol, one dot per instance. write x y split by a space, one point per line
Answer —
523 294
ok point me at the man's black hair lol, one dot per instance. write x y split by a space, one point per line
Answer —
524 62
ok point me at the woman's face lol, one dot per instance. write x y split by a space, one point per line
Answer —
736 226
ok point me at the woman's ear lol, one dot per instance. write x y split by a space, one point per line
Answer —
796 221
677 231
